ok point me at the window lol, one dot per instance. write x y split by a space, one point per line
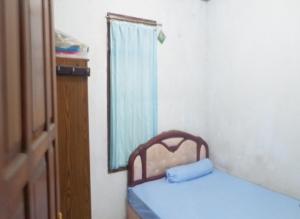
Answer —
132 88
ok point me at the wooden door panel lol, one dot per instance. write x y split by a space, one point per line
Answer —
28 167
20 210
19 206
13 119
51 178
48 62
13 160
13 185
37 65
39 190
12 81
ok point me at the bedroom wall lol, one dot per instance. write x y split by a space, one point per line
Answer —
181 86
253 99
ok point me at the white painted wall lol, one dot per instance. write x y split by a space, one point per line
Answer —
181 78
254 87
229 71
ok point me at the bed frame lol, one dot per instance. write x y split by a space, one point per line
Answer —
168 149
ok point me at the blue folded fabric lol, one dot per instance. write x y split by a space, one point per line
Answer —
68 49
190 171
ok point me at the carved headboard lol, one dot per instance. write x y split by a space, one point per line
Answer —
150 160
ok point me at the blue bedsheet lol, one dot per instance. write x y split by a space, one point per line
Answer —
215 196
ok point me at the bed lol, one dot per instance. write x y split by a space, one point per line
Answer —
213 196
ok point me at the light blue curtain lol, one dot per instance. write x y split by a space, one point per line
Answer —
133 112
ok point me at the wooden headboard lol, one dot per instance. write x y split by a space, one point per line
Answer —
150 160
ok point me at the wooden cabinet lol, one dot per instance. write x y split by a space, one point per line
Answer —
28 142
73 137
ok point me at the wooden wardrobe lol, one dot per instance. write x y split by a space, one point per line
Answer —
28 141
73 137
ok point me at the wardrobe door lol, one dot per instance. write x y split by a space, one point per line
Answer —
73 138
28 149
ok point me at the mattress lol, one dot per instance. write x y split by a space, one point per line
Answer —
214 196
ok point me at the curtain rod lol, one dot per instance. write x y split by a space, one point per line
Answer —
119 17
